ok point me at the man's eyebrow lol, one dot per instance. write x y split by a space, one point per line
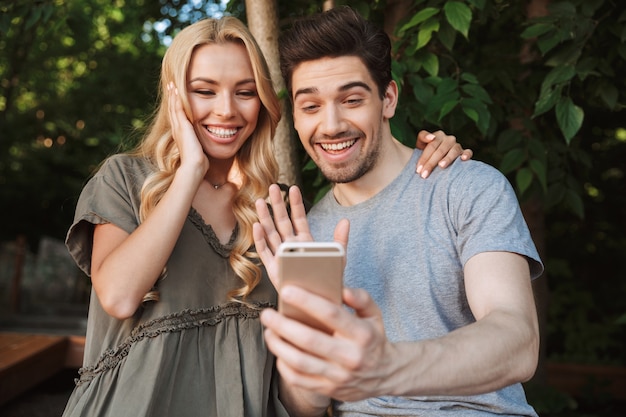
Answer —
355 84
307 90
345 87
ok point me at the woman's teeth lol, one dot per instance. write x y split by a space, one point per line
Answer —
222 132
338 146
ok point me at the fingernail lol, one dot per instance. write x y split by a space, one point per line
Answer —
419 168
430 136
424 174
442 164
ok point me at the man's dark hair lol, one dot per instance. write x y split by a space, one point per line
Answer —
337 32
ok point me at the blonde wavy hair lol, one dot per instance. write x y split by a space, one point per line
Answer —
255 160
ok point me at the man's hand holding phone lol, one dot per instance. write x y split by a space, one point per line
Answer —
350 345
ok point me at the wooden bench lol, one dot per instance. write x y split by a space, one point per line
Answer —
29 359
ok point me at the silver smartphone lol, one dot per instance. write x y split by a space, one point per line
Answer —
314 266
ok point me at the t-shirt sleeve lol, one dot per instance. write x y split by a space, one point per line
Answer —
489 218
112 195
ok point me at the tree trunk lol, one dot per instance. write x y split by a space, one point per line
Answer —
262 18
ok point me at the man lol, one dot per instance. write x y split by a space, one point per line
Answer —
438 273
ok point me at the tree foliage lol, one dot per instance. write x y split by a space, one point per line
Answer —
524 85
542 98
76 78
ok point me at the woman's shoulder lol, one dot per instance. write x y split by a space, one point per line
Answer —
125 163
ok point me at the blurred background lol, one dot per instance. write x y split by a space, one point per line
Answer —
535 88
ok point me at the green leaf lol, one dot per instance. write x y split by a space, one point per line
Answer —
430 63
469 77
426 32
539 169
536 30
609 95
564 56
512 160
447 108
471 113
420 17
537 150
547 43
33 17
575 203
558 75
569 117
441 102
523 179
476 91
309 166
447 85
423 37
556 194
447 36
479 4
590 6
546 101
48 9
587 66
459 16
483 115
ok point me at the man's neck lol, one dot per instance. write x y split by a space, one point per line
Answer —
392 160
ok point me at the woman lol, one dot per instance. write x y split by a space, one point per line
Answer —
165 233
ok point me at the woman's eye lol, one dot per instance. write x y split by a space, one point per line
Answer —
204 92
247 93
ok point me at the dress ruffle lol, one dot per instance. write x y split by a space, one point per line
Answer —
182 320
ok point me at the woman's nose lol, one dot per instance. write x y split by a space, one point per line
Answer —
224 106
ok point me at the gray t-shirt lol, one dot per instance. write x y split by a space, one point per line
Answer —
407 247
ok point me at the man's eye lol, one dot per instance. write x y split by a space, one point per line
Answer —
309 109
354 101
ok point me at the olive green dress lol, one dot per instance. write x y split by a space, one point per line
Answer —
193 353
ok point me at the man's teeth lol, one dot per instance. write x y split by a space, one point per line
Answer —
338 146
219 131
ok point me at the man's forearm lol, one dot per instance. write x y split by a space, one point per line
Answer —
469 360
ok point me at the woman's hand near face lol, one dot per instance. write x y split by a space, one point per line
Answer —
191 153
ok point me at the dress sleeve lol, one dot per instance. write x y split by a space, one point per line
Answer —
112 195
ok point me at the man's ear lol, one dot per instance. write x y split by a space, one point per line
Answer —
390 100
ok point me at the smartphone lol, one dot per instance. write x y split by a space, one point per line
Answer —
314 266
